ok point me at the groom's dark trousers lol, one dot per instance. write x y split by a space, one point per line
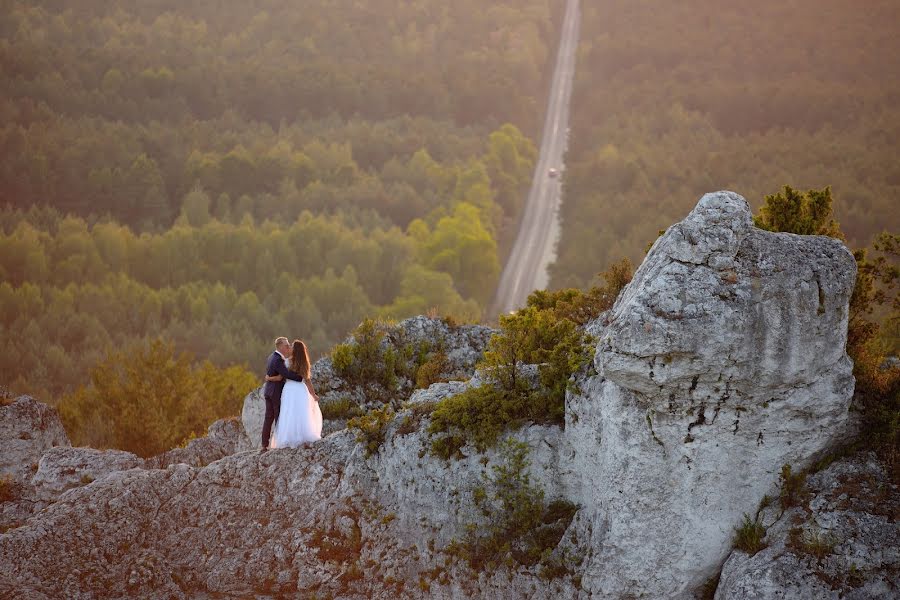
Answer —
272 392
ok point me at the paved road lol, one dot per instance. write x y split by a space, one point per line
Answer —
535 245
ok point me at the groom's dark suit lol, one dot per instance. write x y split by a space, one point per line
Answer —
272 392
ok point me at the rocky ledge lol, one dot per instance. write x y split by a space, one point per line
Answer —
721 362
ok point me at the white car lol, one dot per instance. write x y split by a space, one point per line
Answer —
553 173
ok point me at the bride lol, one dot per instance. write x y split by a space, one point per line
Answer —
300 419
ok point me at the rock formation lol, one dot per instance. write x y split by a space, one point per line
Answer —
722 361
28 428
839 541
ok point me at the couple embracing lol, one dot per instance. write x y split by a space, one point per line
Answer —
291 402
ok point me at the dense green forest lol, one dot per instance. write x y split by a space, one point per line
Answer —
214 176
676 99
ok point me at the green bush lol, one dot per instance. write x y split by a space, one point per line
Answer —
520 528
342 408
371 428
431 369
379 362
548 333
748 536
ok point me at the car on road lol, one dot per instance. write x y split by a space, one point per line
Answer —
553 173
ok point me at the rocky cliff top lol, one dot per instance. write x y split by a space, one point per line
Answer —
721 362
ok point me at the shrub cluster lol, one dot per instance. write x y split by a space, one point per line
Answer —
371 428
383 365
548 333
520 529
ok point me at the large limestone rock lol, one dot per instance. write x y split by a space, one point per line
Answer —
27 429
722 360
841 541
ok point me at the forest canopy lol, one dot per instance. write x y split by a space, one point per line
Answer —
212 178
676 99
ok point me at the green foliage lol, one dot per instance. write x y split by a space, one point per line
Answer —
793 488
382 363
325 99
431 369
658 119
808 213
343 408
146 399
520 528
546 333
748 536
371 428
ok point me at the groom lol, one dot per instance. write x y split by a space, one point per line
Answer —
273 389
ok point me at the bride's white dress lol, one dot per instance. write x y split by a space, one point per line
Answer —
300 419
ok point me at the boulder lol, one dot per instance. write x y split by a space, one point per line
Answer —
64 468
223 438
721 361
27 429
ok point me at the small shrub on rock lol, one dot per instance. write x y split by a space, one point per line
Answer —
793 488
520 528
371 428
748 536
380 363
342 408
812 543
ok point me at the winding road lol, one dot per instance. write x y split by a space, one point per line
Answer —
535 245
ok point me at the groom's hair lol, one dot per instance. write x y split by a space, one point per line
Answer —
281 341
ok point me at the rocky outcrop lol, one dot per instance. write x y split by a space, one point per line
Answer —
722 360
223 438
64 468
842 540
27 429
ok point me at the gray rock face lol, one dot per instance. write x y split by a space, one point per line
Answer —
722 360
223 438
27 429
842 541
64 468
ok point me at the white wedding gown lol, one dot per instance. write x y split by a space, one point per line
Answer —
300 419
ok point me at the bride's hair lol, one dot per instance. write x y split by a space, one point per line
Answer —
300 359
